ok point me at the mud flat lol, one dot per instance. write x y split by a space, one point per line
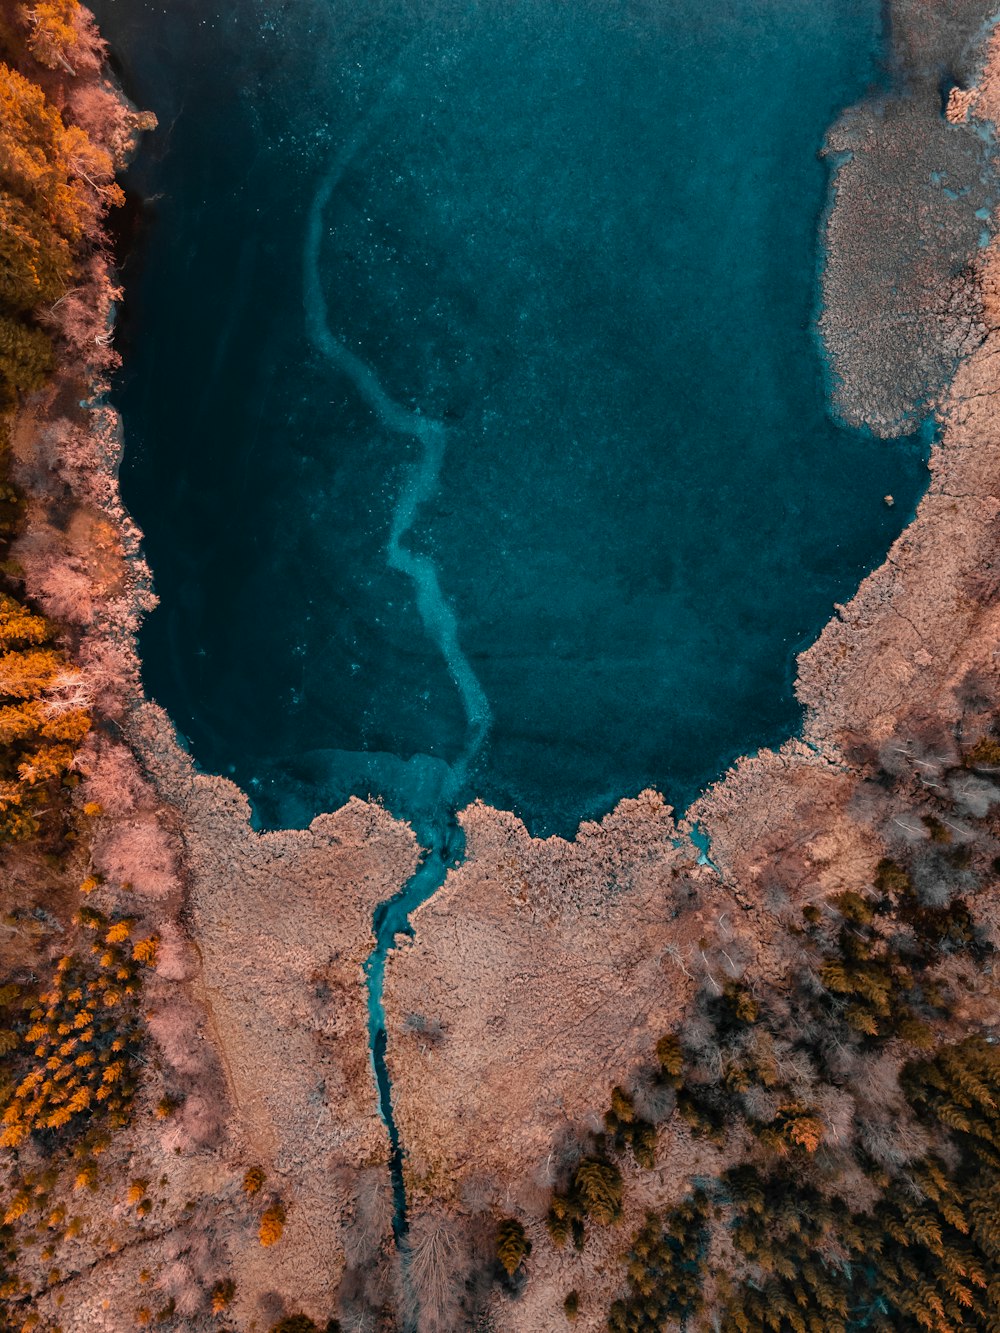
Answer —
282 926
555 967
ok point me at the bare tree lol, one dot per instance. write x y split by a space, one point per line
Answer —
438 1265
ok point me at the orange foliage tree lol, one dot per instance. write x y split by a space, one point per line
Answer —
55 186
43 717
272 1224
78 1054
53 32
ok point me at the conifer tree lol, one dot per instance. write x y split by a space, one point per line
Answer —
41 721
597 1183
512 1245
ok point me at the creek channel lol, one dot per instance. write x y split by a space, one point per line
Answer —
419 484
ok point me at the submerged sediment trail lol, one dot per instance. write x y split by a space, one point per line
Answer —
421 480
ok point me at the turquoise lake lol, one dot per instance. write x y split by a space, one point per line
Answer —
474 412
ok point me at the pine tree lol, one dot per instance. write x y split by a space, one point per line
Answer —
512 1245
41 721
597 1183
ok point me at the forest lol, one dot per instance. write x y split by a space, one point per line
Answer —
70 1030
855 1104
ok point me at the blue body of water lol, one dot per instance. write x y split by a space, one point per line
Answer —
474 414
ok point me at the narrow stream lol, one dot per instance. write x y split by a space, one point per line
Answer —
421 481
392 919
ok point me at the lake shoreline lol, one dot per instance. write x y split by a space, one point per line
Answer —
272 930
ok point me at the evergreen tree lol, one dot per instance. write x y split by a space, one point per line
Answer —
512 1245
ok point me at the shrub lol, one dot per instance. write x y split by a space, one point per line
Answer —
222 1295
438 1268
984 754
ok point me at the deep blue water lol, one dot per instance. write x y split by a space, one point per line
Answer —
474 414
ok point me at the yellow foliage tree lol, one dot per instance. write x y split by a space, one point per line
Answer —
272 1224
222 1295
42 718
79 1057
36 156
513 1245
53 32
55 186
35 262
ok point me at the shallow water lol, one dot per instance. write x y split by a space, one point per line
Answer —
548 272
